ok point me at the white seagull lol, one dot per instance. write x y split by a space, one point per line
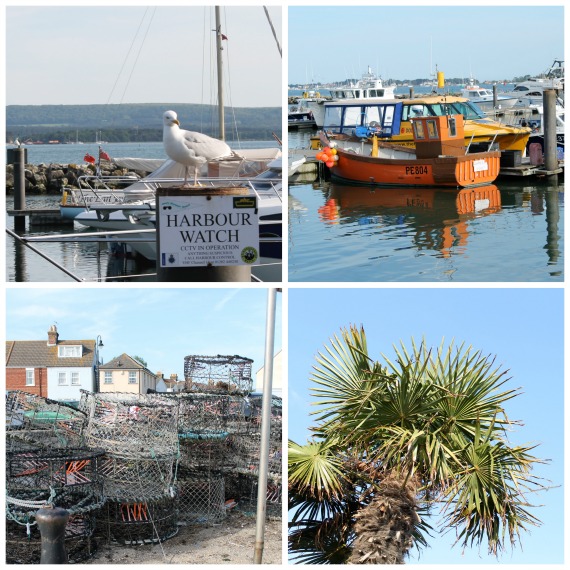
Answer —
189 148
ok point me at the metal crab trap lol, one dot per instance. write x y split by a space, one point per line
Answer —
61 478
221 374
132 425
201 496
134 523
34 422
140 436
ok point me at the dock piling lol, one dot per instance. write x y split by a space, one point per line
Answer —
17 157
549 127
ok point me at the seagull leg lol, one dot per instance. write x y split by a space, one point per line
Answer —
185 176
196 183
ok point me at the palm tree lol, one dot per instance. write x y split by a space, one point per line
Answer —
392 442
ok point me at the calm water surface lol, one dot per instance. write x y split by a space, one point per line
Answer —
509 231
504 232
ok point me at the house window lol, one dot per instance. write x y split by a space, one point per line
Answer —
75 379
30 380
62 378
108 377
132 377
69 351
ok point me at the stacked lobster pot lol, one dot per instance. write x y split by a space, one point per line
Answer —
48 465
246 448
206 455
212 415
139 434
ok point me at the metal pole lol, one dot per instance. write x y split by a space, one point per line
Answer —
495 96
51 522
265 426
219 49
35 250
549 128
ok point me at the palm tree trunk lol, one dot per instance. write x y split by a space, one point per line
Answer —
384 529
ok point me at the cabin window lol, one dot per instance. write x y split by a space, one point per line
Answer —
419 129
30 379
62 379
352 117
69 351
75 379
388 115
108 377
432 129
332 117
132 377
373 114
452 125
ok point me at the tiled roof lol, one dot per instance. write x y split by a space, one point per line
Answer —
123 361
36 353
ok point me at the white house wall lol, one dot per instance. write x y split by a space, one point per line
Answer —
69 392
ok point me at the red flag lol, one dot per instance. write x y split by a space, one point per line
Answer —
103 155
89 158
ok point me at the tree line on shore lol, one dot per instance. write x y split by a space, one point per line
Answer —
132 122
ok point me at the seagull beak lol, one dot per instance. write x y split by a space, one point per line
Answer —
176 121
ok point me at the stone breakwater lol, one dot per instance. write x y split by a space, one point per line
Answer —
53 178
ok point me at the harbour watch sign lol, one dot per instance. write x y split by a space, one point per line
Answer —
209 226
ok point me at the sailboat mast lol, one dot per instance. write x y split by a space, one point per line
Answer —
219 49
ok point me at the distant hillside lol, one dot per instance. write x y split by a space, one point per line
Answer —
134 122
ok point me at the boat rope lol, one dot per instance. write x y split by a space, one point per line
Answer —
126 57
137 56
273 30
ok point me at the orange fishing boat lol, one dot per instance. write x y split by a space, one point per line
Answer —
439 158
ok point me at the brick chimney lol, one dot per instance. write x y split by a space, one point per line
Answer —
174 377
52 336
159 375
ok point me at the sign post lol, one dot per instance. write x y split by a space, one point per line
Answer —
206 234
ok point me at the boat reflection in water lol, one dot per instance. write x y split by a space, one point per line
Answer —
439 217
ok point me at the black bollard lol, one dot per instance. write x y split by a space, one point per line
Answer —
51 522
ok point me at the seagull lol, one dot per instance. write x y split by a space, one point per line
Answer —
189 148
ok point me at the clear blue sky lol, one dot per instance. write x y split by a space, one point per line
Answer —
75 54
333 43
522 327
162 325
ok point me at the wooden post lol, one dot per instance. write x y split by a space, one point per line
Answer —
411 92
207 273
549 127
17 157
494 96
51 522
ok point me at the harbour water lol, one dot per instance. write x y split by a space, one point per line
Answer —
90 262
511 231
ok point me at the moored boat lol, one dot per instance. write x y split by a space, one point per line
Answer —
439 159
486 100
349 123
369 88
